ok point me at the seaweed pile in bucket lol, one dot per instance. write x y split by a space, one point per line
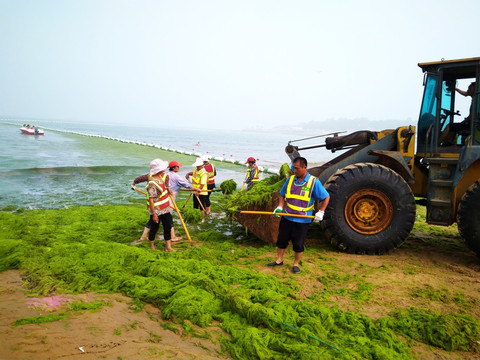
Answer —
259 194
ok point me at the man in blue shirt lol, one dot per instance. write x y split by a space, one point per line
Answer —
298 197
175 181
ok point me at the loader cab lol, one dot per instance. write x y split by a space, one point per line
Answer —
443 108
448 138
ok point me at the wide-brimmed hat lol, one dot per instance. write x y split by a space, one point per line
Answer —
157 165
174 163
198 162
205 158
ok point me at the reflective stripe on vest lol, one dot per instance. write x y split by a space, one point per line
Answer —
164 177
211 173
163 200
197 177
298 196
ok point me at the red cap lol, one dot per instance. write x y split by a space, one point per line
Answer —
250 159
173 163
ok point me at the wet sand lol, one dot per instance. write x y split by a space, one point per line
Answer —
115 331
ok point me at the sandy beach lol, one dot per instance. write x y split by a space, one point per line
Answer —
115 331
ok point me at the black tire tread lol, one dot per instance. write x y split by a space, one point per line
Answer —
374 173
468 217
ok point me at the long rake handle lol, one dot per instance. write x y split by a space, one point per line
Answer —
248 212
186 201
180 216
140 191
203 208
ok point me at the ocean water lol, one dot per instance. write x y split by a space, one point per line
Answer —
62 168
267 148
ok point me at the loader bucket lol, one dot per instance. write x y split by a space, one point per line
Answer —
262 226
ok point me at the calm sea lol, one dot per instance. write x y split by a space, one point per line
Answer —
62 168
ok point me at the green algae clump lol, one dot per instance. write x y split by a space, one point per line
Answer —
192 216
228 187
285 171
258 195
39 319
447 331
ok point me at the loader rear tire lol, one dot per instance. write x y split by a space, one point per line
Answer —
371 209
468 216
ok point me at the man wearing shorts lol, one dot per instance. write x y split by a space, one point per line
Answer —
298 197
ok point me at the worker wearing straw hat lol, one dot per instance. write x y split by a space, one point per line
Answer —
141 179
158 201
199 180
298 195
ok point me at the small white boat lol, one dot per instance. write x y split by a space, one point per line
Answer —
31 130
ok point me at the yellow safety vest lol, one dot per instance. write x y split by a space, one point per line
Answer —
197 178
299 202
255 174
211 173
163 200
164 177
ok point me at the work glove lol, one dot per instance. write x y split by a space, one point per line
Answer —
278 210
319 216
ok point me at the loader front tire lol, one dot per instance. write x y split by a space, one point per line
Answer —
371 209
468 216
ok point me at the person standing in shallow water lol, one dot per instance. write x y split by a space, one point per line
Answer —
158 202
298 196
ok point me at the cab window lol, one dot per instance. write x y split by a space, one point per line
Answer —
428 111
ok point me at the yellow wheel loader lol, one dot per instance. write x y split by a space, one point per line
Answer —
374 181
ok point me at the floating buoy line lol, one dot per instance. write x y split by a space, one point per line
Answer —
165 148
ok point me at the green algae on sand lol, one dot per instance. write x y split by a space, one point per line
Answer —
87 249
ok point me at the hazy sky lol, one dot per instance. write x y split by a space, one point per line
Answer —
229 64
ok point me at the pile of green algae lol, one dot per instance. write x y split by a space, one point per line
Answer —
211 282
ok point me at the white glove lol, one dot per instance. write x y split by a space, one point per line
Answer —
319 216
277 210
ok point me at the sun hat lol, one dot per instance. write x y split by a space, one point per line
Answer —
198 162
157 165
204 158
250 159
174 163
